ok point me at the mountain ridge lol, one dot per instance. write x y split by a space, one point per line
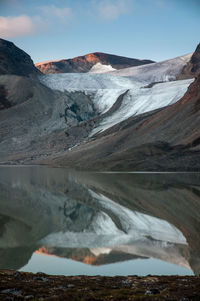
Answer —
85 62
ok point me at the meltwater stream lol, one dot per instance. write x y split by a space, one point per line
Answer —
71 223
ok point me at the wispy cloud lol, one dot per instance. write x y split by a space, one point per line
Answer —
62 14
112 9
16 26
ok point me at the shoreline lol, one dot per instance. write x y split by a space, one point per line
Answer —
100 171
15 285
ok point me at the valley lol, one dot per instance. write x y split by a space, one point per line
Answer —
126 119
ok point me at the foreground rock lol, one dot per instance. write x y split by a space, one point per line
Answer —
28 286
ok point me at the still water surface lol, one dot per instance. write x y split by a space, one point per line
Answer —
72 223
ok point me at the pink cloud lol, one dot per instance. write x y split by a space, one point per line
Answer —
11 27
23 25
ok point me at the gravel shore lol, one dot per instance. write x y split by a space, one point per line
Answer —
16 285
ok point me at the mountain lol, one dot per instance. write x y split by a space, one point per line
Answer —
17 75
15 61
103 121
93 62
192 68
96 256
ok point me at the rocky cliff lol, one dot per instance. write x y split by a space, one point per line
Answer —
192 68
13 60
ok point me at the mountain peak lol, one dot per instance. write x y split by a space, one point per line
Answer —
84 63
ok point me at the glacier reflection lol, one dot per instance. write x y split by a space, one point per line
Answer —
97 218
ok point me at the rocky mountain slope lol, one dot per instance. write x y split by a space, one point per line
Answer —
17 72
29 111
192 68
86 62
15 61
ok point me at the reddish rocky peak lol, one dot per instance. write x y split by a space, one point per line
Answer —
84 63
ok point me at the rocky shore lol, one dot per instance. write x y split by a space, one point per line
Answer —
16 285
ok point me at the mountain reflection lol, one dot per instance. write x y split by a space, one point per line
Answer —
98 218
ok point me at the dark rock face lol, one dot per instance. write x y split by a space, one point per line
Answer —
192 69
4 102
195 60
15 61
84 63
79 107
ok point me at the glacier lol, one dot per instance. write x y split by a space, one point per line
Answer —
147 87
142 100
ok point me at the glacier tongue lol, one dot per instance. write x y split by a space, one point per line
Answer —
103 88
155 72
141 100
85 81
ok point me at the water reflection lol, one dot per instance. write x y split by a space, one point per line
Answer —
98 218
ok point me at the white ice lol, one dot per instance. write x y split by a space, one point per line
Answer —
103 88
161 71
142 100
100 68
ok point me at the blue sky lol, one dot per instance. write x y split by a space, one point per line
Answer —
57 29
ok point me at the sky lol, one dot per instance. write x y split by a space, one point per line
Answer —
61 29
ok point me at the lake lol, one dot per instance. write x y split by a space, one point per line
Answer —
84 223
